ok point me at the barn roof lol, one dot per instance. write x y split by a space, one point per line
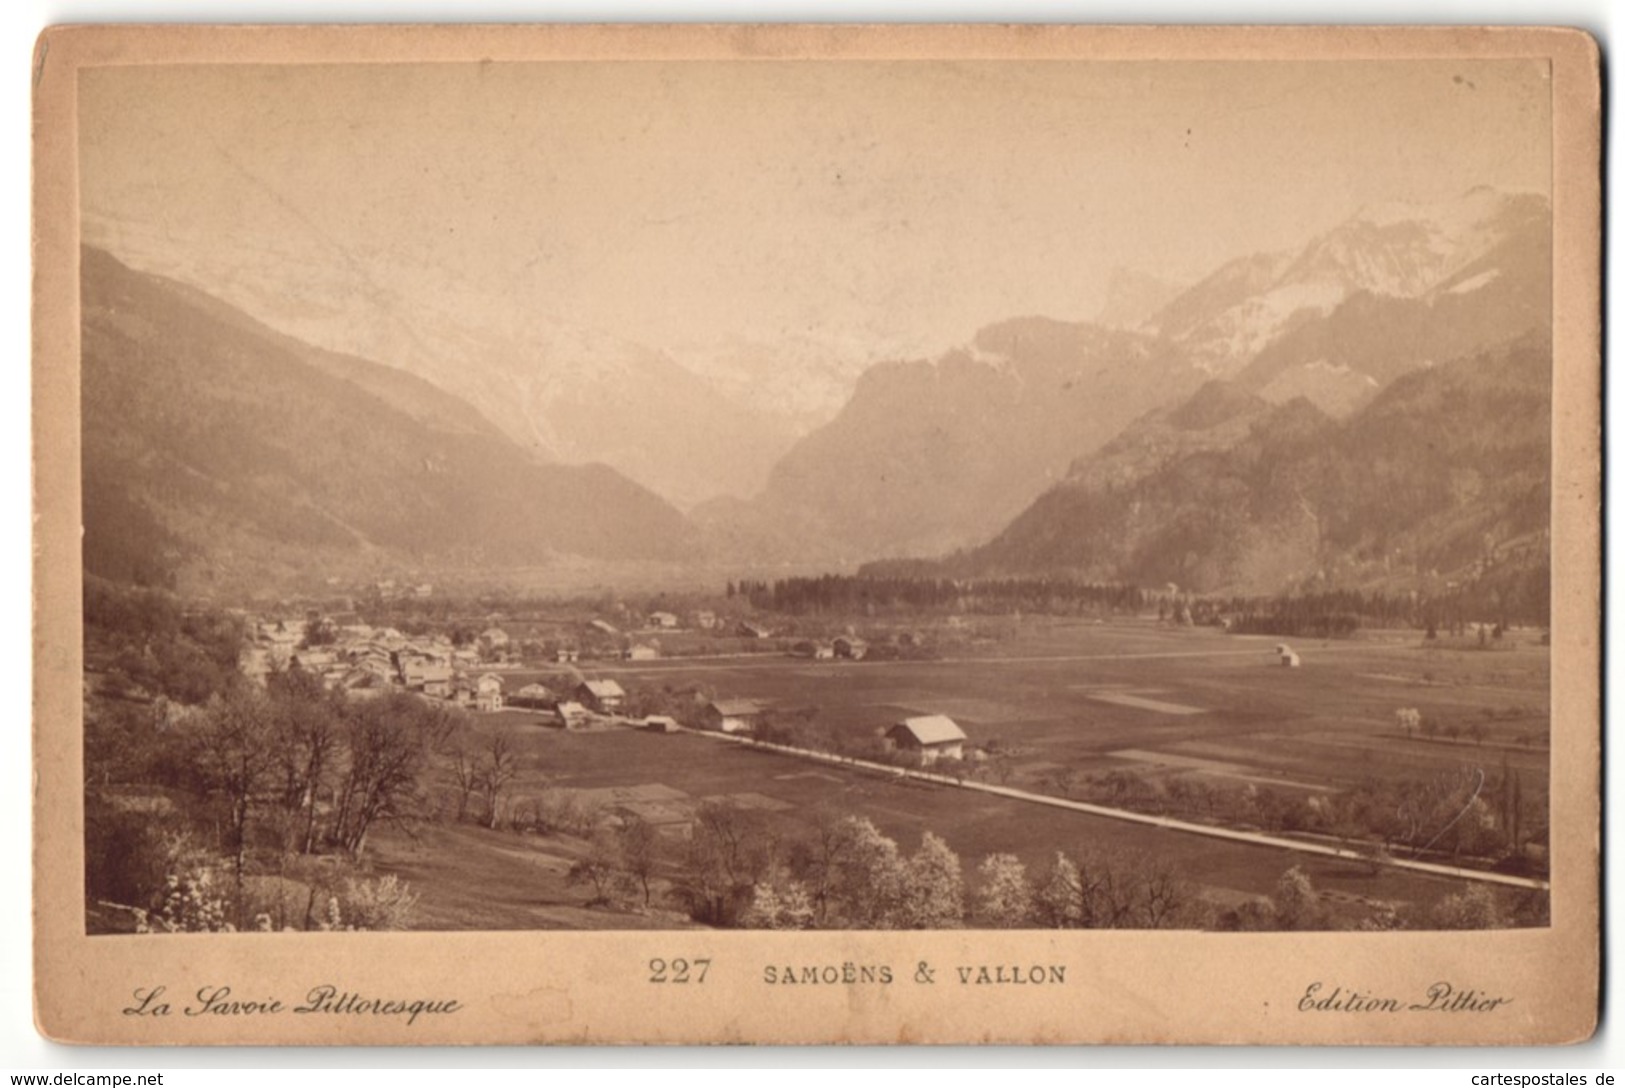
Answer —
932 729
603 688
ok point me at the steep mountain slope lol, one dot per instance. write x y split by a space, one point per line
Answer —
1217 416
1342 359
1445 472
215 448
1389 288
928 456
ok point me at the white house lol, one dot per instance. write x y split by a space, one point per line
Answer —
488 692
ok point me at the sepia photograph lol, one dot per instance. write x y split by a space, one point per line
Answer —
776 492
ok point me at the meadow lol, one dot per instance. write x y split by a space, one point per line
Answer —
1055 702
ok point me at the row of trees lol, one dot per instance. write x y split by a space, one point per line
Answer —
1464 813
865 592
735 870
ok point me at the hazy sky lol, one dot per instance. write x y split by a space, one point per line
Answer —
898 204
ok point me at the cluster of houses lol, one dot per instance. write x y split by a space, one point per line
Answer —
364 661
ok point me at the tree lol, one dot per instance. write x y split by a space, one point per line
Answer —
1005 899
867 886
388 743
816 862
729 852
933 887
465 774
777 905
639 845
1170 902
499 767
600 867
1108 898
235 759
384 904
307 720
1058 903
1297 904
1473 908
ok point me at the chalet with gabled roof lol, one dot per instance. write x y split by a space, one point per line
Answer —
734 715
934 736
603 696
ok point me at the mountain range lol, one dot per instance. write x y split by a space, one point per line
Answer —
689 430
1443 475
217 451
932 456
222 444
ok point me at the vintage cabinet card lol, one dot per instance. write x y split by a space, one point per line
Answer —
816 534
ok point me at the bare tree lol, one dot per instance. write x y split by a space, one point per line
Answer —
639 852
234 754
497 770
388 743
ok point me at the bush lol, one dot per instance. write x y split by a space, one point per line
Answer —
384 904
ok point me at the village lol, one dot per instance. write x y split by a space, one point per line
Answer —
495 671
548 748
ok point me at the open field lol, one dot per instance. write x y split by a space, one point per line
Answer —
1061 697
1072 694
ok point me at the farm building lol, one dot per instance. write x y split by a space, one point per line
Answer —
734 715
604 628
705 619
604 696
934 736
662 619
1290 660
746 629
533 695
495 637
566 655
437 681
488 692
851 648
660 723
641 652
819 651
571 714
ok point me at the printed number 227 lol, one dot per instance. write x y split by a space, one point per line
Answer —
677 971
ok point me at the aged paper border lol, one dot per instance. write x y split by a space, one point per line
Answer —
577 987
